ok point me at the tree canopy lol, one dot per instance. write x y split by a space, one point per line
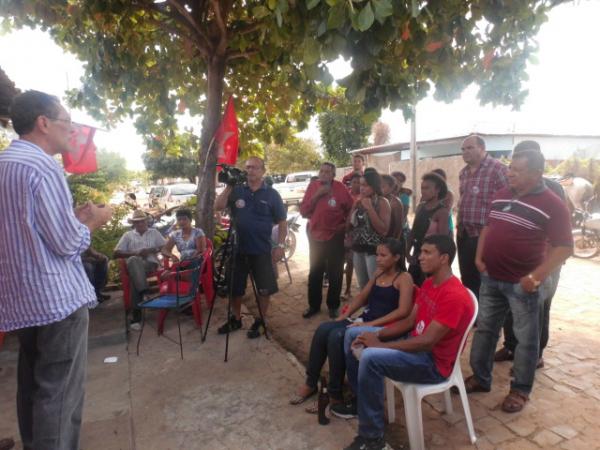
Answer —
380 132
296 155
99 185
175 158
342 130
157 60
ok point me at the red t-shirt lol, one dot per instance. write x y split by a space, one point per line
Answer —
328 217
519 230
347 179
449 304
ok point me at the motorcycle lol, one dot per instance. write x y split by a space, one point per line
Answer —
290 241
586 233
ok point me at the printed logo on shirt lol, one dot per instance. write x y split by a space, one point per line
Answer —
420 327
240 203
332 202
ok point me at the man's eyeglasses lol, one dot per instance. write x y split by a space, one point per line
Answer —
57 119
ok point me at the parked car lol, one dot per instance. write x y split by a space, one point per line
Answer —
294 186
171 195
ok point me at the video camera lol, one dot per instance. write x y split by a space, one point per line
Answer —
231 176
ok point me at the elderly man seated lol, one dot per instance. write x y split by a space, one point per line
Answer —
140 246
442 312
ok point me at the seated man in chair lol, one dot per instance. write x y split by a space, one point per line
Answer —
442 312
140 247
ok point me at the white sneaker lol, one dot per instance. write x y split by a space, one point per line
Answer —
135 326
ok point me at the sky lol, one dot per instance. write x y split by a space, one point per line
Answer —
564 92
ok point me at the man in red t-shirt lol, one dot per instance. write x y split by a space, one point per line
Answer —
326 204
358 167
514 261
441 315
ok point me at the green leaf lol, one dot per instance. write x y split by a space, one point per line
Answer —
337 16
312 51
366 18
258 12
272 4
383 9
310 4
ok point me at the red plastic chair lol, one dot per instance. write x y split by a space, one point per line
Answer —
206 288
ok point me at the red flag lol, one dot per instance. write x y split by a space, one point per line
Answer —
84 159
227 136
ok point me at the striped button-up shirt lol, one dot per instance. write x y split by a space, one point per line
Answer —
42 279
476 192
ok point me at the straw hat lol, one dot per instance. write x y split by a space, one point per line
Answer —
138 215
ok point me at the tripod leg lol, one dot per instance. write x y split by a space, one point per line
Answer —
260 311
219 272
212 306
287 267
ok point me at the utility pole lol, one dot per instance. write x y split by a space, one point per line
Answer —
413 156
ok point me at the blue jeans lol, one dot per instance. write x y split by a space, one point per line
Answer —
496 299
351 334
376 364
364 267
550 286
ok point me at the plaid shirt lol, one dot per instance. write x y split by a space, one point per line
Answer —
476 192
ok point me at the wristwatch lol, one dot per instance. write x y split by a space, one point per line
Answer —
280 245
536 283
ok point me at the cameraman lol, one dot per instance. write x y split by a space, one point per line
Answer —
254 207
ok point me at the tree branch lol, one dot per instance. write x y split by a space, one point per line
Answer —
189 20
222 27
248 30
236 55
204 52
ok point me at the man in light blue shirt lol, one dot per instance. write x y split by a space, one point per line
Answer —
44 292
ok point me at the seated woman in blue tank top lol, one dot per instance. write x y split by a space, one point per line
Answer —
387 298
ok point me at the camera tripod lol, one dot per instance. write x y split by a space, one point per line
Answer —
224 276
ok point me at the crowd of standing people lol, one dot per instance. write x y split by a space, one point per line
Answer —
512 234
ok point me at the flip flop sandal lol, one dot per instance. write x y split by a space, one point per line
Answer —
298 399
514 402
312 409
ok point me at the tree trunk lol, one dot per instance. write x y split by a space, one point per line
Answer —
208 157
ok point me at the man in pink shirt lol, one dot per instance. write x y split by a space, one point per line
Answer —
326 204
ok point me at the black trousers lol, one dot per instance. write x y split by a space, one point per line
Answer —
328 344
97 272
466 248
326 256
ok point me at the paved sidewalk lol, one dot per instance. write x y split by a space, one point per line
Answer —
157 401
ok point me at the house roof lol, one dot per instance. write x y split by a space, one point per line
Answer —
7 92
399 146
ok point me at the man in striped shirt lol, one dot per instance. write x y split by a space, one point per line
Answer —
515 263
479 180
44 291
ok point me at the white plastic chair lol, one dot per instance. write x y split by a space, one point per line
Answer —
413 394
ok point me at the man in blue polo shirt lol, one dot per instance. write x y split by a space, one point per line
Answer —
255 208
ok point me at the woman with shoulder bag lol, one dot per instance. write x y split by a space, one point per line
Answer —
369 222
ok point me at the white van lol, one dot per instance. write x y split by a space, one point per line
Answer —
171 195
294 186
